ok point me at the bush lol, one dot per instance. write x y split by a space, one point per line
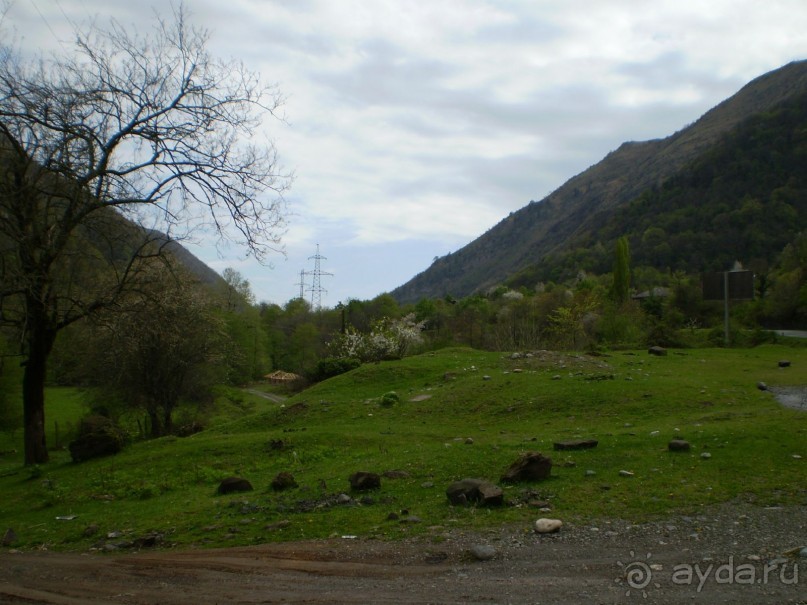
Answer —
98 436
389 399
333 366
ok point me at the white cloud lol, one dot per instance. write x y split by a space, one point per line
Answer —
413 127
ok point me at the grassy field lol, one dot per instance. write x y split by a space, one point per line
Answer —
461 413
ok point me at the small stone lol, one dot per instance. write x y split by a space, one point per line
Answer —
411 519
90 530
556 377
590 473
569 463
706 455
343 499
762 386
796 457
427 484
803 553
625 474
483 552
657 351
469 441
784 363
548 526
393 517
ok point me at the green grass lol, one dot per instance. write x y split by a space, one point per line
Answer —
631 402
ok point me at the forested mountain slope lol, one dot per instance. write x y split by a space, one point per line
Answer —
631 188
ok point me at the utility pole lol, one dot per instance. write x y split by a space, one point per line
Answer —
316 284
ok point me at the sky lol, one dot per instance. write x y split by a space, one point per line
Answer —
412 127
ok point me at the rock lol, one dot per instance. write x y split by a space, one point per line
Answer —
234 484
625 474
706 455
393 517
678 445
803 553
657 351
363 480
343 499
411 519
784 363
531 466
427 484
762 386
485 377
556 377
278 525
482 552
575 444
90 530
469 441
283 480
475 490
590 473
9 538
396 474
548 526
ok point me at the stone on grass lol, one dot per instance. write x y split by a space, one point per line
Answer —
531 466
784 363
9 538
575 444
678 445
548 526
362 480
283 480
98 436
479 491
234 484
625 474
657 351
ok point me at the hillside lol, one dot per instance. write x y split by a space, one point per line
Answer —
533 238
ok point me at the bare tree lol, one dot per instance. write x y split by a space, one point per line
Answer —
150 129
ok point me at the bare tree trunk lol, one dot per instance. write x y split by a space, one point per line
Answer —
40 342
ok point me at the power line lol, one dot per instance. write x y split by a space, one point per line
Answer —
316 288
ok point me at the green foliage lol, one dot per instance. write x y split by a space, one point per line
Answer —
333 366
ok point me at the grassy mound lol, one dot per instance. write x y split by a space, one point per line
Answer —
457 413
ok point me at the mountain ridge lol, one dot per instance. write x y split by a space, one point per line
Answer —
541 229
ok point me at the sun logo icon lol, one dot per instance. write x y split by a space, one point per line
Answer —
637 574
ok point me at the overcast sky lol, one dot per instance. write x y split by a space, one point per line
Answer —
415 126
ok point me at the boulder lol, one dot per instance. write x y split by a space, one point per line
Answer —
234 484
531 466
575 444
784 363
477 491
657 351
362 481
678 445
283 480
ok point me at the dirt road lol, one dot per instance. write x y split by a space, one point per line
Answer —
718 556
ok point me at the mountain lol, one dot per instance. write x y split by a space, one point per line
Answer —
540 240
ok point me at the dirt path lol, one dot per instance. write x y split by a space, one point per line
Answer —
612 562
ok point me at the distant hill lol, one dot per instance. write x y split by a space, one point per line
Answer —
749 151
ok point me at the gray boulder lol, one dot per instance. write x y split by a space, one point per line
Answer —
363 480
477 491
531 466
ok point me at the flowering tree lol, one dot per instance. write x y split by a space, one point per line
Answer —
388 339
